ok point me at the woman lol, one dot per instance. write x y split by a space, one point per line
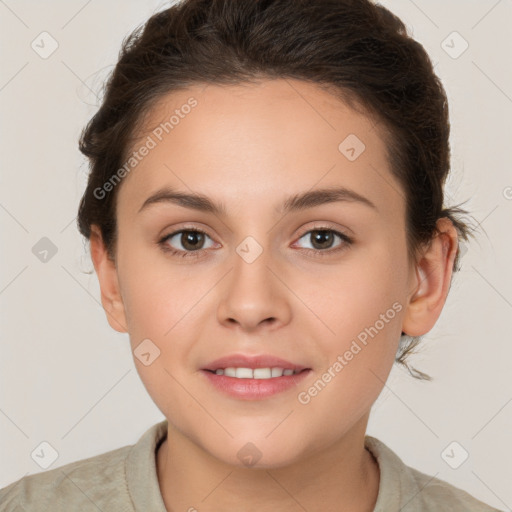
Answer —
265 216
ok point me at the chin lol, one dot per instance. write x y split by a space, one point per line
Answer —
256 454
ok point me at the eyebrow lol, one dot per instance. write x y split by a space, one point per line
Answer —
294 203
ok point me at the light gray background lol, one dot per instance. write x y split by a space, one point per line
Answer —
67 378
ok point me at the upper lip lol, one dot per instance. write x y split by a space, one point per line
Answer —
253 361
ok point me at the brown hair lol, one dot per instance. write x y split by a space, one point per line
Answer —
354 48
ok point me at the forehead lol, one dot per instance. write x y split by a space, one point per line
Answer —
256 143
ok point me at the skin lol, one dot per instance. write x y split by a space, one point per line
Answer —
250 147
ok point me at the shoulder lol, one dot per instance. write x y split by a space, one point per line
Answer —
409 490
84 485
434 492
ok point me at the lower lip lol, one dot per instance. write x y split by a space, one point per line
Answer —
254 389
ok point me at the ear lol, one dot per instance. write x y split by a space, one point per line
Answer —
431 282
109 284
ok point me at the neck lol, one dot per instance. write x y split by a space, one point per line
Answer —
343 476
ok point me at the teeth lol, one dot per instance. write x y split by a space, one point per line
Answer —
257 373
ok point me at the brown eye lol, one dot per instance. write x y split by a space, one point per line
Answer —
184 241
323 239
191 240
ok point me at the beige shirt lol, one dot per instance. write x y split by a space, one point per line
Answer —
125 480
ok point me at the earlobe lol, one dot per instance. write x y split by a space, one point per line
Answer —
431 281
106 271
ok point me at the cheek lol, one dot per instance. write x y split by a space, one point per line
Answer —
147 291
354 294
361 305
159 303
358 355
164 301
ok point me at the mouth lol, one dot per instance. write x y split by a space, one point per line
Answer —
243 383
257 373
254 377
250 366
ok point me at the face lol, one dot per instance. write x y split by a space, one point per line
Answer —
323 284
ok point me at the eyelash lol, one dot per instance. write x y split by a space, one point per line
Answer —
196 254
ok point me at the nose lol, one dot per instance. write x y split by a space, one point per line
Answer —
253 297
